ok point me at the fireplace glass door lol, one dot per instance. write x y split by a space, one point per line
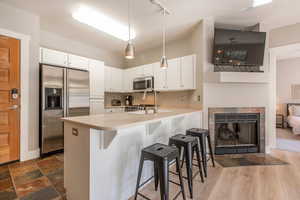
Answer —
236 133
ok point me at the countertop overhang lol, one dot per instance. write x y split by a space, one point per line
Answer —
116 121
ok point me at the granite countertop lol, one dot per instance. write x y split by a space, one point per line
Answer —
115 121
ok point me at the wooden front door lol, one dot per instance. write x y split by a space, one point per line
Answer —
9 99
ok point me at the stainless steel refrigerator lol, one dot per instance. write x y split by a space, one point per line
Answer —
64 92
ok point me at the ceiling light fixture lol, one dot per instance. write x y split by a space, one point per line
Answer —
164 60
129 50
102 22
257 3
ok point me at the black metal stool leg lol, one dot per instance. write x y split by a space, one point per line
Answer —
164 179
180 179
156 179
183 158
189 168
203 154
199 163
139 176
210 150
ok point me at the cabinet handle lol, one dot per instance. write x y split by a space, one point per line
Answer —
75 132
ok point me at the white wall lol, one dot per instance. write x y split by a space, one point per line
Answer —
174 49
288 74
285 35
54 41
216 94
26 23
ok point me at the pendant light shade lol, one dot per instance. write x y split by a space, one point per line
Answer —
164 60
129 50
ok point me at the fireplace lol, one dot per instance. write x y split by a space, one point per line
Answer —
237 130
236 133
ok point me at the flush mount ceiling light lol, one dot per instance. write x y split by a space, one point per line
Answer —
129 50
257 3
103 23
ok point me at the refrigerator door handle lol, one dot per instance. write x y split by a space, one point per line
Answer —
67 93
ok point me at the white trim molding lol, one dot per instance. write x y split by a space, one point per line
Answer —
275 54
25 153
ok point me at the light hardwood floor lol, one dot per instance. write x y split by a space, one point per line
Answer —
287 133
247 183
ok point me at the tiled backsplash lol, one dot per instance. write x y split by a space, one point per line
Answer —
180 99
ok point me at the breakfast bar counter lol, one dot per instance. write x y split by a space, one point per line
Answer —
102 152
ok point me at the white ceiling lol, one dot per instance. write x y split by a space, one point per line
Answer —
56 17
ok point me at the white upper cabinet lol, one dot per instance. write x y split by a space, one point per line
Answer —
78 62
113 79
180 74
148 70
160 77
52 57
188 72
173 74
116 80
129 75
97 83
107 79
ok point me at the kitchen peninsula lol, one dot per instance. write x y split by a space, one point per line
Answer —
102 152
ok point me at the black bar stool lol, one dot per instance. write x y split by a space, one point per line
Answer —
189 145
203 135
162 155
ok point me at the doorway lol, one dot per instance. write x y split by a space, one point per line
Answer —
288 97
9 99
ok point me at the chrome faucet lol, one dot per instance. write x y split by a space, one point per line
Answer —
155 108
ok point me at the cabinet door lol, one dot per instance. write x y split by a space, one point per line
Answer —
148 70
173 74
139 71
116 79
96 69
188 73
107 79
53 57
128 77
159 77
78 62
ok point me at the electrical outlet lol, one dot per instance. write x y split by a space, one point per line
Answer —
199 98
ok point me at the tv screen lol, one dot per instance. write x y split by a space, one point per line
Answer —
233 47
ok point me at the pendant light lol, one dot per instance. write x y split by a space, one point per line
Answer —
164 60
129 50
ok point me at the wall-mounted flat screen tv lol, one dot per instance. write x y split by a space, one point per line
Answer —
234 47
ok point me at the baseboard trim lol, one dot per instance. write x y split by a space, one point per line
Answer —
31 155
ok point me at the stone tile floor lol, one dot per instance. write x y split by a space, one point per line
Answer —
33 180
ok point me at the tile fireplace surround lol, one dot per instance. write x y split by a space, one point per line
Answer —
260 110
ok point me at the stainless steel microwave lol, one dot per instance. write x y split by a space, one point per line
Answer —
143 83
